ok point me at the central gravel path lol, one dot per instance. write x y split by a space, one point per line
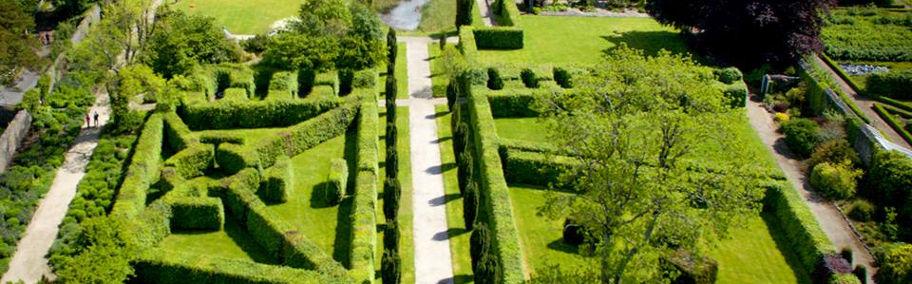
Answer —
833 222
432 245
485 12
28 263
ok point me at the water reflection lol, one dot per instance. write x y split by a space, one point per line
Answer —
405 16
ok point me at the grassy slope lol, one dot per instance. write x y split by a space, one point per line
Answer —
308 210
547 39
406 243
459 237
242 16
526 128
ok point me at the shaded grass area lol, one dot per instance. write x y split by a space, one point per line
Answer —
583 40
524 128
231 242
541 236
242 16
755 254
438 15
438 78
406 240
308 209
401 75
459 237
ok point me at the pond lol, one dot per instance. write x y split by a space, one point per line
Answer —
405 16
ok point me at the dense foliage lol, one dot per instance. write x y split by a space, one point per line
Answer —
835 181
633 126
868 34
801 135
747 33
895 264
180 41
894 84
17 43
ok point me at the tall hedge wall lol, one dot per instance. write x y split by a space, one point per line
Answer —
233 158
306 135
227 114
364 205
159 266
796 220
278 181
534 168
515 102
467 43
499 38
143 170
493 188
177 134
193 161
196 213
505 13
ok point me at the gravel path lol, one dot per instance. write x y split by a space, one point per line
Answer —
831 220
866 105
485 12
28 263
432 246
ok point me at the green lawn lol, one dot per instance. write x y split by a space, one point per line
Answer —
526 128
542 237
459 237
439 80
751 255
402 73
308 209
406 242
438 15
582 40
242 16
231 242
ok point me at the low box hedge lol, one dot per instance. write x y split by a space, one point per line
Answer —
467 43
233 158
278 181
219 138
196 213
226 114
534 168
305 135
516 102
894 84
338 180
499 38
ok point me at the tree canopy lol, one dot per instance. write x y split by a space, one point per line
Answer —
16 44
634 126
331 34
747 32
180 41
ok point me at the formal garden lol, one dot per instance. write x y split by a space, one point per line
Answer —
578 142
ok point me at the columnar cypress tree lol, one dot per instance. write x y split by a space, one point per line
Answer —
484 262
392 155
390 267
391 235
392 50
470 204
392 192
464 13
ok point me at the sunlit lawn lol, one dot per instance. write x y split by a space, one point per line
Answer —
406 241
232 242
459 237
752 255
582 40
242 16
526 128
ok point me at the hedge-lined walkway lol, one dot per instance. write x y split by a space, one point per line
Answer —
831 220
866 105
433 263
28 263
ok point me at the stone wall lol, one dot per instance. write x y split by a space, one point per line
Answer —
12 138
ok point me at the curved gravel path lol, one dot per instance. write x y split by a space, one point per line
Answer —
831 220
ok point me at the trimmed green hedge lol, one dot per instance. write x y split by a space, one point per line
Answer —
897 104
364 195
534 168
505 13
219 138
298 138
499 38
841 73
196 213
894 84
143 170
231 75
818 81
228 114
159 266
177 134
233 158
338 179
736 94
193 161
883 113
798 225
515 102
495 201
278 181
467 43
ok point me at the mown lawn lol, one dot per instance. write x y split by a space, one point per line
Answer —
541 237
583 40
231 242
459 237
308 209
526 128
242 16
752 255
406 240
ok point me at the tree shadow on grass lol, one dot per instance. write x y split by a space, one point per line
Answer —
560 245
650 42
342 245
783 245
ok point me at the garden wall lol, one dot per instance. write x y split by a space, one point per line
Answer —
12 137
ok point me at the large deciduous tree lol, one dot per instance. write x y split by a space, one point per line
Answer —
16 45
747 32
179 41
635 126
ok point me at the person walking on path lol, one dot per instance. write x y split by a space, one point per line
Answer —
88 122
96 119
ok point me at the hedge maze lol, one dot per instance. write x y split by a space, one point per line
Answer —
191 177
